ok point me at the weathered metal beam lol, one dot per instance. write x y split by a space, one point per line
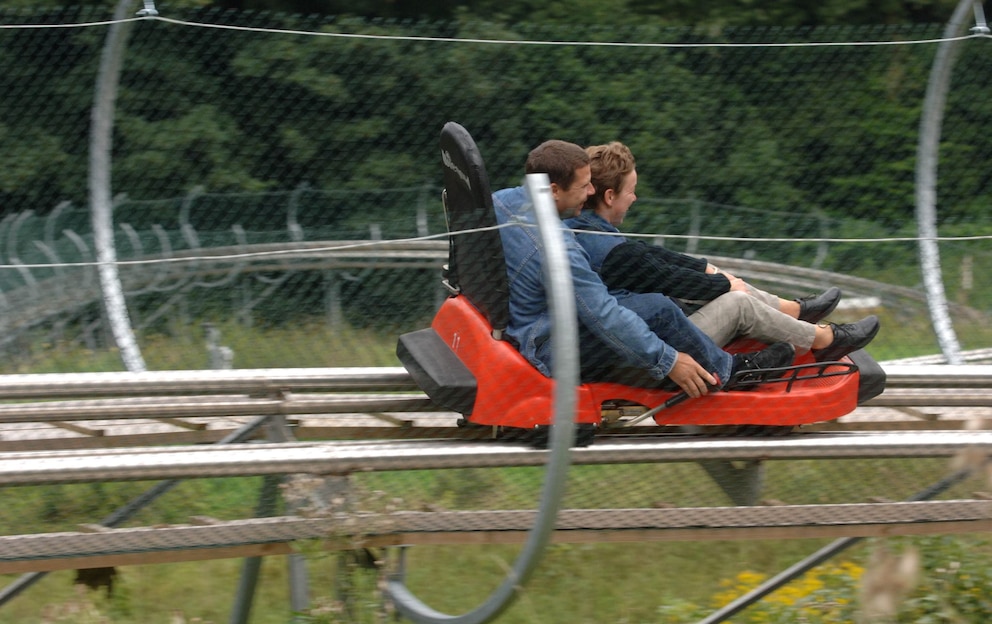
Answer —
255 382
289 404
40 467
264 382
212 406
269 536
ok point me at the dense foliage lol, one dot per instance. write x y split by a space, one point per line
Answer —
727 12
822 128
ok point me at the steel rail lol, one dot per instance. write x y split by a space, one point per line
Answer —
315 398
262 381
208 538
212 406
255 382
938 376
347 457
924 396
281 402
266 381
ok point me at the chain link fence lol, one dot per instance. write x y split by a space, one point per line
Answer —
276 204
250 129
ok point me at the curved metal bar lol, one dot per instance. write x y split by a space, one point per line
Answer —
296 233
3 297
53 257
189 233
187 230
238 266
926 183
133 238
184 210
4 224
138 250
426 191
272 286
12 255
101 205
84 253
822 249
558 277
52 219
166 267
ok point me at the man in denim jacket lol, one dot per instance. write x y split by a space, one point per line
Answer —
644 341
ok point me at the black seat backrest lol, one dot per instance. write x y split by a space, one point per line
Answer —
476 266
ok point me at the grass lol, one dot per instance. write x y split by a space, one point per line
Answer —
583 583
310 344
602 582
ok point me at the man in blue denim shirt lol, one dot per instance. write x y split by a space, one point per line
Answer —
644 341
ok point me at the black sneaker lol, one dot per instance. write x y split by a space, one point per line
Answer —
815 308
777 355
848 337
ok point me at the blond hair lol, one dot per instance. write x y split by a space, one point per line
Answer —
610 164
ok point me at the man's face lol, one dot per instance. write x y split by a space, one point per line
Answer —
570 201
623 198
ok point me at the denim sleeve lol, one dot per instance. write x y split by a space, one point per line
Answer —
626 333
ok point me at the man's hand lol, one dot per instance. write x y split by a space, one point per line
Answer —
690 376
737 283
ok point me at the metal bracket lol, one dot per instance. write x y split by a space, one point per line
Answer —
149 10
741 483
980 27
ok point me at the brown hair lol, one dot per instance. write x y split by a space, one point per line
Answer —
610 163
558 159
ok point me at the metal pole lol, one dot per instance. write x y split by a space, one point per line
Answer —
558 278
252 565
299 580
101 206
299 593
926 183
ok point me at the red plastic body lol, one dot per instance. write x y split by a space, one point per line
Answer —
512 393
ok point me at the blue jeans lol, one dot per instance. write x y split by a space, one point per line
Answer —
668 322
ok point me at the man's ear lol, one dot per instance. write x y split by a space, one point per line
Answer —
608 196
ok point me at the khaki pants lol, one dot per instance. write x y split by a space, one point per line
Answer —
753 315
